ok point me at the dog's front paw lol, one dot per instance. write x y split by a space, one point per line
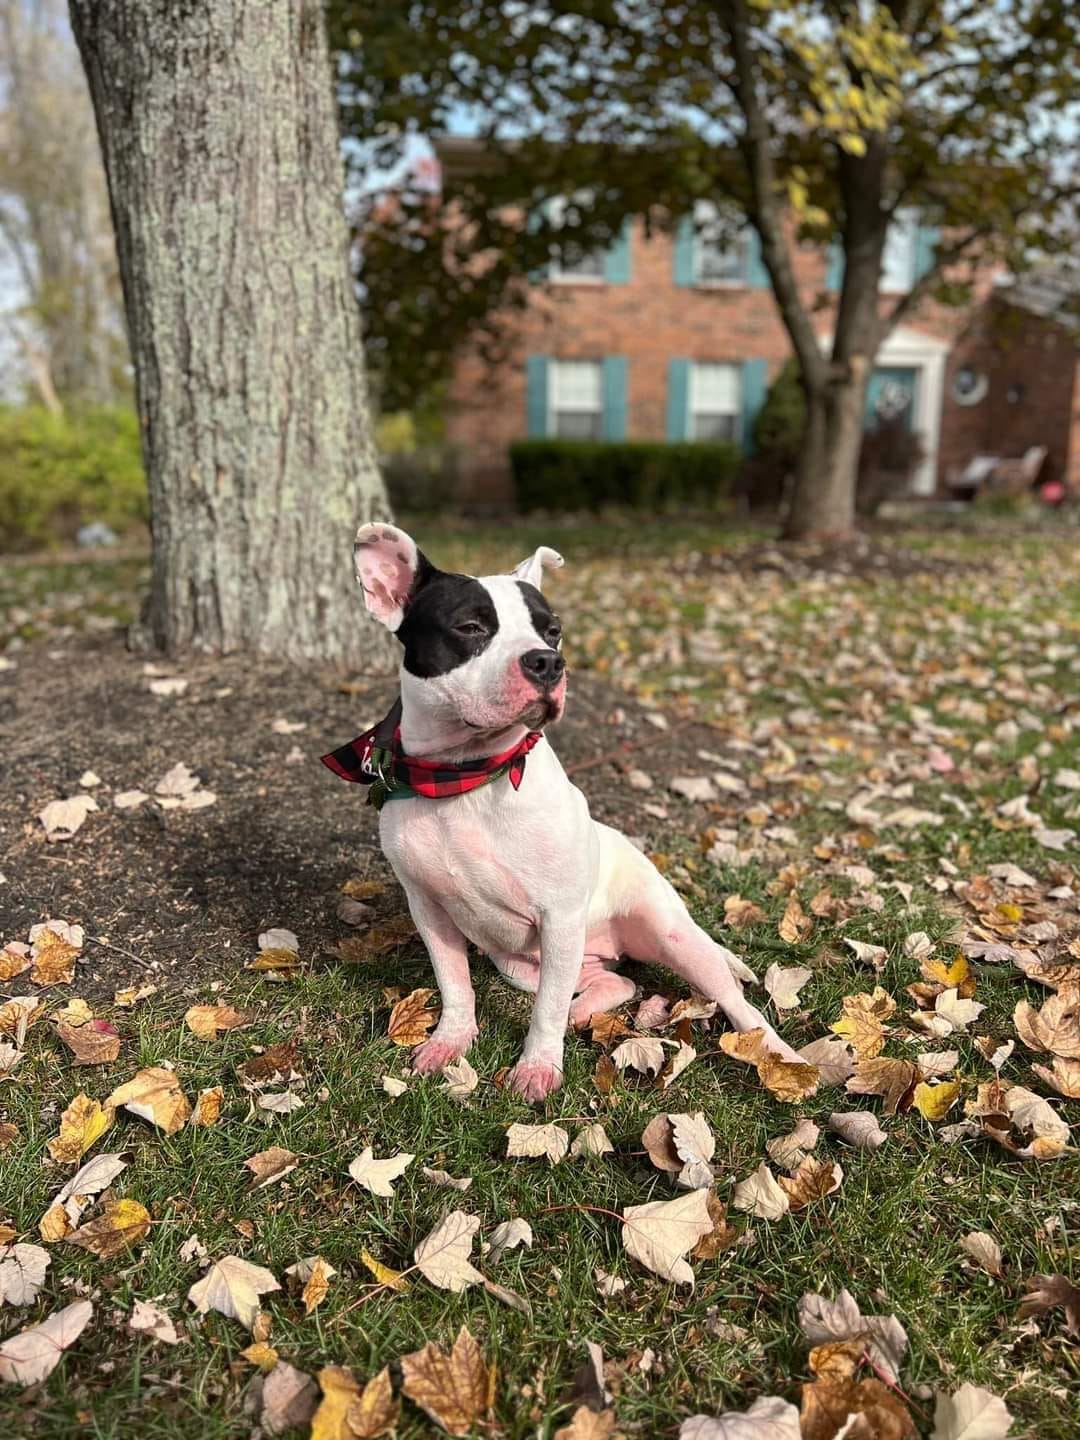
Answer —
430 1057
534 1080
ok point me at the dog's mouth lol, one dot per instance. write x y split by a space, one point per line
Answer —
541 712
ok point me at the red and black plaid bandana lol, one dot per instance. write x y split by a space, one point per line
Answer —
377 759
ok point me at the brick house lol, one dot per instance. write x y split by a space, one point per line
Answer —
676 336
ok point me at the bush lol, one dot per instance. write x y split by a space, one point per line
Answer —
60 472
778 434
888 460
588 474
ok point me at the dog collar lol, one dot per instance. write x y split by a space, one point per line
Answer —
377 758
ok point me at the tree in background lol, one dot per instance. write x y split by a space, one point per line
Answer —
220 138
60 305
808 120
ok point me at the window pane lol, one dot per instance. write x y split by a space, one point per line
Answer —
717 262
577 425
719 251
712 427
714 389
575 385
898 254
586 265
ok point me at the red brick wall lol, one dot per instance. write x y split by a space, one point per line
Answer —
650 321
1014 348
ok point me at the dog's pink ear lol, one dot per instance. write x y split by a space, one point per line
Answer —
532 569
388 564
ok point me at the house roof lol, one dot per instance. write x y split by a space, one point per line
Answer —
1050 289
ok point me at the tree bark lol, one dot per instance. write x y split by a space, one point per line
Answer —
219 132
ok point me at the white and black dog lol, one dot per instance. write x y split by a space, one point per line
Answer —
509 858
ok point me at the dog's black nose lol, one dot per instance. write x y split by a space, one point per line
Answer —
543 667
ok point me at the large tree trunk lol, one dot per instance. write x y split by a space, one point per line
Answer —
219 132
823 498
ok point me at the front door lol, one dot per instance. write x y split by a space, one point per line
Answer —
890 395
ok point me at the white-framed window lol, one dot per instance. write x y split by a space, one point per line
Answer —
899 253
714 402
721 254
576 399
588 267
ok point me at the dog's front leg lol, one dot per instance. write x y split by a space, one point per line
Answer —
449 954
562 946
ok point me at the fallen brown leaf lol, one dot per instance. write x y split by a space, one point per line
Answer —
410 1020
81 1125
154 1094
120 1224
1052 1292
813 1180
457 1389
95 1043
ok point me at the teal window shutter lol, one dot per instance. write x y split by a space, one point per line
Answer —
683 248
926 244
678 399
834 273
617 258
536 396
614 393
755 385
757 276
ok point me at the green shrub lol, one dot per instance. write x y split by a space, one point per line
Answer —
588 474
778 429
60 472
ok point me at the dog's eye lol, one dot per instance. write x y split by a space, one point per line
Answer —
553 634
471 628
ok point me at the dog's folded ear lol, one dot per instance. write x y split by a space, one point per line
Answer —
532 569
391 568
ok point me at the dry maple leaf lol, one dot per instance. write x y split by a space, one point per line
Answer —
81 1125
148 1319
874 955
270 1165
591 1142
9 1133
374 1411
827 1407
984 1250
18 1015
760 1195
606 1027
970 1413
661 1233
858 1127
769 1418
33 1354
14 959
721 1237
154 1094
508 1235
813 1180
94 1043
377 1176
277 1064
788 1080
73 1199
643 1053
532 1141
460 1079
206 1020
54 959
120 1224
823 1320
789 1151
457 1389
586 1424
392 1279
739 913
410 1020
22 1273
208 1106
263 1356
279 961
1050 1292
832 1058
1056 1027
795 925
339 1390
934 1102
62 819
837 1359
893 1080
783 984
289 1399
1063 1076
443 1256
232 1286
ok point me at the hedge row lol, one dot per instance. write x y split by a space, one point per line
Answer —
60 472
586 474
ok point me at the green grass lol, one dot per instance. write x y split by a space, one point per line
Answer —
890 1234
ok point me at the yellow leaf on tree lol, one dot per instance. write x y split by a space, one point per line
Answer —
934 1102
81 1125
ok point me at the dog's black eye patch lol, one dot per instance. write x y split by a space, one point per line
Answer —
544 621
451 619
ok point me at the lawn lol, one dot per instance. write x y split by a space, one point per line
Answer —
863 724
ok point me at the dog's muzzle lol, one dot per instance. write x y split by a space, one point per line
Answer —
543 667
